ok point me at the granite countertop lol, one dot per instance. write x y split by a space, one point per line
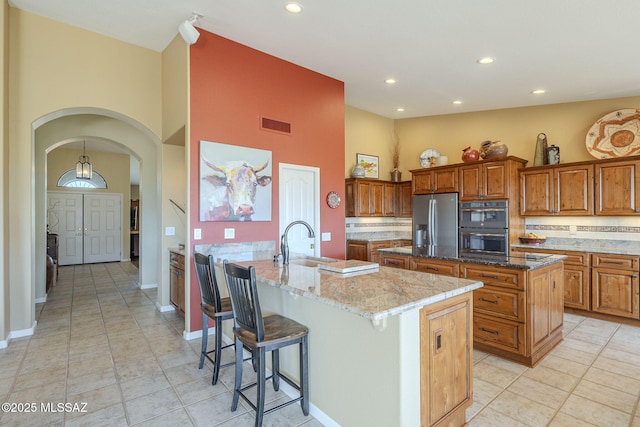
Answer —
622 247
374 294
529 261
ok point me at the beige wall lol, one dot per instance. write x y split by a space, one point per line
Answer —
368 133
113 167
55 68
566 125
4 173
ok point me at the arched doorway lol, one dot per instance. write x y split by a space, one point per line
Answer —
56 129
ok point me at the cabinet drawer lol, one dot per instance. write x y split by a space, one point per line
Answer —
374 246
576 258
177 260
400 243
504 303
493 275
395 261
435 267
622 262
502 334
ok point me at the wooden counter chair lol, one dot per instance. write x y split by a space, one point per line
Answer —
213 307
262 335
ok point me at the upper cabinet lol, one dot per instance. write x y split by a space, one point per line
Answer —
618 187
440 179
600 187
372 197
489 179
557 190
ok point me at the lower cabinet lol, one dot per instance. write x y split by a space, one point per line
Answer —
614 285
176 281
446 381
518 314
393 260
367 250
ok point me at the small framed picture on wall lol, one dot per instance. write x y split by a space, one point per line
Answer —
369 164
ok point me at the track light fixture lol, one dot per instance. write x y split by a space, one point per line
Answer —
188 31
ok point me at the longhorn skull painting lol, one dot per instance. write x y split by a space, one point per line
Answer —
230 181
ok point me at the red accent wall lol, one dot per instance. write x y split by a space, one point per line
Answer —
232 86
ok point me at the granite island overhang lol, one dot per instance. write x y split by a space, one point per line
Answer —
366 351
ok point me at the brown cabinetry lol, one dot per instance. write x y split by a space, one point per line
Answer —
566 190
618 187
365 250
176 281
614 285
372 197
394 260
440 179
577 276
489 179
435 266
404 200
518 312
446 384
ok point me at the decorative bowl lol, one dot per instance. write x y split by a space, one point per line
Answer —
533 240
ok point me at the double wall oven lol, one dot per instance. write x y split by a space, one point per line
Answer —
484 227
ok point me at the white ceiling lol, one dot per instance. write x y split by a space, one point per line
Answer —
575 49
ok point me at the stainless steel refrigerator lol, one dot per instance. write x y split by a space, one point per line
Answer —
435 221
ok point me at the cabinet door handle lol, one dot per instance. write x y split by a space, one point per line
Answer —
490 331
634 276
613 262
432 268
488 300
489 276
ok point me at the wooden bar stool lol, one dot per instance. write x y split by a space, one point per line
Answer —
261 335
213 307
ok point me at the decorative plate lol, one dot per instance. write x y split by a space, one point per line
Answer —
616 134
425 157
333 200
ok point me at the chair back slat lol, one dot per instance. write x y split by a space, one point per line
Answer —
243 292
205 272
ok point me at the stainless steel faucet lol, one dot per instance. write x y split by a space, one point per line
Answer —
284 243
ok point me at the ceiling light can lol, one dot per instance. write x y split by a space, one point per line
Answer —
486 60
293 7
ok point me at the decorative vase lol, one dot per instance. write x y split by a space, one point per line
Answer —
396 175
490 149
357 172
470 155
541 151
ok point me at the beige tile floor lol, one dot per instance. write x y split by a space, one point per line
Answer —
100 340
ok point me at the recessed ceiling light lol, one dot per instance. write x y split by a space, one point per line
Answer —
293 7
538 91
457 102
390 81
486 60
400 109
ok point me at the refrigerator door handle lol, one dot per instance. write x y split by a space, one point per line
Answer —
432 221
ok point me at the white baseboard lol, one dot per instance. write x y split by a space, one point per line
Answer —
40 300
164 308
149 286
194 335
19 334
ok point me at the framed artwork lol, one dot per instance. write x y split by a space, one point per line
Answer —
369 163
234 183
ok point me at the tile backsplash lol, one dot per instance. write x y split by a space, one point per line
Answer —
382 228
595 227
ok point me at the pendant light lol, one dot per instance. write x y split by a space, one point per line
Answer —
84 170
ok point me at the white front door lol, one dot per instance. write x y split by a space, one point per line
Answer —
89 226
64 217
299 200
102 227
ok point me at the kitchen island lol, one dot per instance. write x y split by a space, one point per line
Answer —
386 347
518 314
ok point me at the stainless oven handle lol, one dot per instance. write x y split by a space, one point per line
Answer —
483 234
485 210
